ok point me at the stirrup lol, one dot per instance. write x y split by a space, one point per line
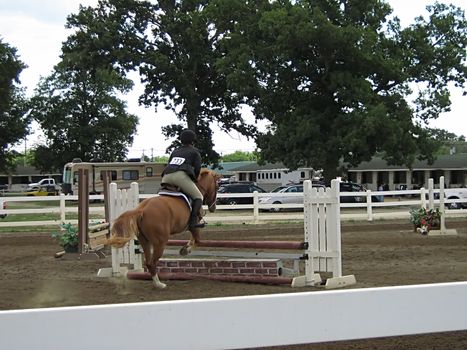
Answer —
199 224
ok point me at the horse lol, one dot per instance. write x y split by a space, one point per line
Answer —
155 219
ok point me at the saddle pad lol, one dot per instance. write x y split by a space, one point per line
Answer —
176 194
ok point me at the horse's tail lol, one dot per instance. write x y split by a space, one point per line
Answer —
124 228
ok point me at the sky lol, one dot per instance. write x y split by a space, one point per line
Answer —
36 29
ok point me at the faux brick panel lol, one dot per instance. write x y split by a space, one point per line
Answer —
256 267
253 264
242 264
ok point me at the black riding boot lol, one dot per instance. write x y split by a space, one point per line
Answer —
195 208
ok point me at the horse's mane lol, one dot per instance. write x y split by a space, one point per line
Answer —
206 171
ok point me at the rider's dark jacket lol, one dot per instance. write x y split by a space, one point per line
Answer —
185 158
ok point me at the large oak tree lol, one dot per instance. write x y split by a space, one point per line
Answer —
14 119
337 79
80 110
175 46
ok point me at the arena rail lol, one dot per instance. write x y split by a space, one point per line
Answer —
261 320
396 206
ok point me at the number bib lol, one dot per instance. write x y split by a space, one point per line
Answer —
177 161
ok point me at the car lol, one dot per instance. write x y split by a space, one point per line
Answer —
281 196
239 187
349 186
3 205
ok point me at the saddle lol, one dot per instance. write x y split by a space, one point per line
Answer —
174 191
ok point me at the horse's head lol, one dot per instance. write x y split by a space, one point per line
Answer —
208 185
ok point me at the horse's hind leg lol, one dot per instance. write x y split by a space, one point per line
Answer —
195 238
151 257
157 252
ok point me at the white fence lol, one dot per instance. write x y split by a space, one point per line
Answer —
242 322
396 205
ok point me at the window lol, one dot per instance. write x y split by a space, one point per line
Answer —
457 177
255 188
418 178
130 175
149 172
352 176
400 177
367 177
113 174
302 174
436 174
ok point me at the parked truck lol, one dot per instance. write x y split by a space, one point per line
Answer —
46 185
456 193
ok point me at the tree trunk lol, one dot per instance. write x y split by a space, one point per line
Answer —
330 169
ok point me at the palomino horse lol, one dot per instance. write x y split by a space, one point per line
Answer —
155 219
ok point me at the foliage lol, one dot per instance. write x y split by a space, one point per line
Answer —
450 142
14 120
79 111
175 45
160 159
239 156
67 238
335 78
423 217
338 80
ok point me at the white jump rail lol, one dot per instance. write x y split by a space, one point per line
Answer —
242 322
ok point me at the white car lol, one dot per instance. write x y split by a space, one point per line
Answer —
284 195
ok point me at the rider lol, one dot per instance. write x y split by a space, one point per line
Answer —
183 170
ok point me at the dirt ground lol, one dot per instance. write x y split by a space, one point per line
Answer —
378 254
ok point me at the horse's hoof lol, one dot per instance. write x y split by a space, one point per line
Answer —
160 285
185 251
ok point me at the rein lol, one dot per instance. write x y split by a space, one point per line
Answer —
204 191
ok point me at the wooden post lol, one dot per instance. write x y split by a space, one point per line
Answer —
106 175
83 208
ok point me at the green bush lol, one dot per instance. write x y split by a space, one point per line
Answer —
68 238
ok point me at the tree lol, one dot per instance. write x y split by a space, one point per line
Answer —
14 119
450 142
239 156
335 77
175 45
79 111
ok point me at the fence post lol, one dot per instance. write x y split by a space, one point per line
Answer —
62 208
369 207
431 197
442 222
423 197
255 207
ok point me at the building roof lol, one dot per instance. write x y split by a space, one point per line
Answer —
454 161
253 167
228 168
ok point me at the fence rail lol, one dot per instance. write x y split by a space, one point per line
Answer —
396 205
262 320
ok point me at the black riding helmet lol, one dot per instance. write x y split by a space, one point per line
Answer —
188 137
